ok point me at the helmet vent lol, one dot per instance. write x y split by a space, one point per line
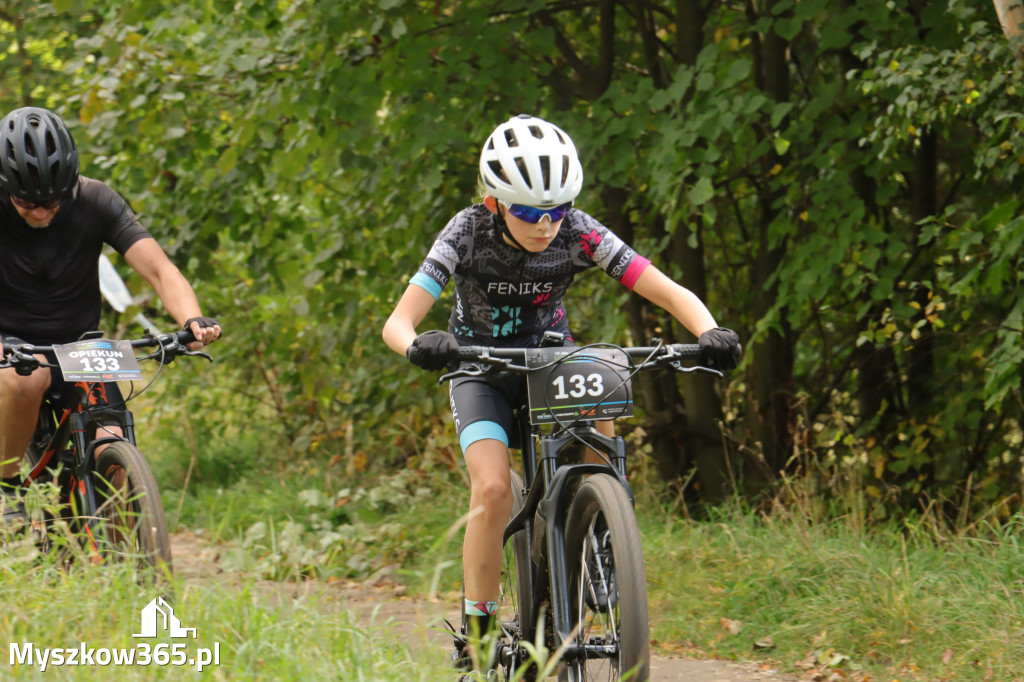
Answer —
510 138
537 132
30 146
545 170
521 165
498 170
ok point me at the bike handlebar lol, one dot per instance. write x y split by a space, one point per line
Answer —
21 356
506 359
674 350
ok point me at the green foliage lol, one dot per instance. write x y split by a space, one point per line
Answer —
852 195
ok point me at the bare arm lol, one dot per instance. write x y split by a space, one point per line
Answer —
683 304
400 329
149 260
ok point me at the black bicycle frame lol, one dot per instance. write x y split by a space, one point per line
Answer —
75 418
548 503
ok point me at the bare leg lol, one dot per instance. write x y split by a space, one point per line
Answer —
606 428
107 431
20 398
490 503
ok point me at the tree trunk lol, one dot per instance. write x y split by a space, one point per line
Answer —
657 392
772 355
924 203
702 437
1011 18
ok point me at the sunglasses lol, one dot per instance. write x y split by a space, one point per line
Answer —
31 206
532 214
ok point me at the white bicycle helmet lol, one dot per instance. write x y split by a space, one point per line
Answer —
527 160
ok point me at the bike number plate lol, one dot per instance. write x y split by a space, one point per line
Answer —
572 383
98 360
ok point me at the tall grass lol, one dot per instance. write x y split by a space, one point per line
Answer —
804 586
258 635
796 588
886 603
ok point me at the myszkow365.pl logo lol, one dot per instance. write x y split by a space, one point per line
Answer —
157 618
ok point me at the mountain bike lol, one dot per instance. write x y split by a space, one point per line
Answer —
573 572
107 496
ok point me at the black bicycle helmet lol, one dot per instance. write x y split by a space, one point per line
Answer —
38 157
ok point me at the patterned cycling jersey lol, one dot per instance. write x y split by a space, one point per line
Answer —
508 297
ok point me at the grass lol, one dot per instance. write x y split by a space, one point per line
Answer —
257 639
801 592
880 605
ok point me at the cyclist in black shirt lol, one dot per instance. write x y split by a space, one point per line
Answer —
512 258
53 225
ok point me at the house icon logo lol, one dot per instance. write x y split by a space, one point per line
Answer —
158 616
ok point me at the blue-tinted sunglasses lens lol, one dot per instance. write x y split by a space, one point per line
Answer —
532 214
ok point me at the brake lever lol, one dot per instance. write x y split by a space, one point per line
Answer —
24 364
678 367
194 353
476 371
173 350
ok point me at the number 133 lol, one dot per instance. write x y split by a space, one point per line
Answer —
578 386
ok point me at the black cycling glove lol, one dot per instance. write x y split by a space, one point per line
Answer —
434 350
720 348
204 322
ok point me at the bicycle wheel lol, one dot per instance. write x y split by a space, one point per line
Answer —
515 611
132 527
516 576
607 585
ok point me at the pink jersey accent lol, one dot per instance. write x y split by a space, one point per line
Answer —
638 265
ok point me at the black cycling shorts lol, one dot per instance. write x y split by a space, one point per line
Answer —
486 409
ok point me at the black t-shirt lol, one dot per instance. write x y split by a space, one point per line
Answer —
49 277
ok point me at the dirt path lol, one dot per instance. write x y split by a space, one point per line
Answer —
381 604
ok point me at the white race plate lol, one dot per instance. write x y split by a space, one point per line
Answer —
98 360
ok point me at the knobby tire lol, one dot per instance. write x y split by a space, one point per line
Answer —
133 526
601 520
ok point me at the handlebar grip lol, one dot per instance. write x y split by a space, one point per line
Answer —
687 350
27 348
470 352
179 337
481 353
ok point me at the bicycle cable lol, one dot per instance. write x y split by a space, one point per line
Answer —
626 382
132 393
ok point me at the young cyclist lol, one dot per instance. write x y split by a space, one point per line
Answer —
53 225
513 257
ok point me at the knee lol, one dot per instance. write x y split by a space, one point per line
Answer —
21 390
495 495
